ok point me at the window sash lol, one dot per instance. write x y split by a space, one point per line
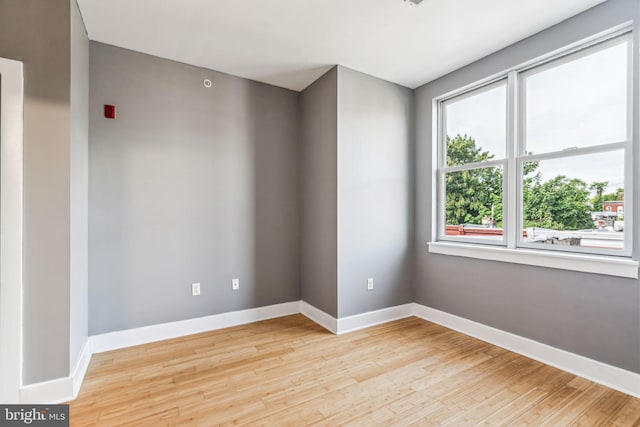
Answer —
624 146
442 113
442 236
559 60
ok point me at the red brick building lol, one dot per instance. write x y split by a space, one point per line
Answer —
614 207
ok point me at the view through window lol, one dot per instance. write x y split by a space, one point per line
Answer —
566 149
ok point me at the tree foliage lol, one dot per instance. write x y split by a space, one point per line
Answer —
462 150
599 188
560 203
471 193
617 195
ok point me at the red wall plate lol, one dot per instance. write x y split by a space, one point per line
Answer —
110 111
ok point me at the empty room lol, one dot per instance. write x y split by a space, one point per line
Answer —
319 212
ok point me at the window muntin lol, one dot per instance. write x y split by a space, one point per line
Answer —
576 136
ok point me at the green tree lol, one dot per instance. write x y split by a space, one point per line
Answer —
560 204
462 150
599 188
470 194
618 195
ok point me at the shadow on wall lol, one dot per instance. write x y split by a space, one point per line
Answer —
276 248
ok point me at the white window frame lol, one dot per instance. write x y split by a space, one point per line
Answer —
512 248
443 169
567 152
11 212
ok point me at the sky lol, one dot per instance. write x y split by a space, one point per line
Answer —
580 103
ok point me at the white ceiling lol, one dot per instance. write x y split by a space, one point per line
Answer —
290 43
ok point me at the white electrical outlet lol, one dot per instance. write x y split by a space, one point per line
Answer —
370 284
235 284
195 289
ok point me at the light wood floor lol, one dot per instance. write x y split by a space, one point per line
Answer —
289 371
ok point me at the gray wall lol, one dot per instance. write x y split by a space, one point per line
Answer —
79 315
592 315
374 193
356 193
188 184
319 145
37 33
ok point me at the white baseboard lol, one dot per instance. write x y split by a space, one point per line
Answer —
55 391
323 319
67 388
80 369
59 390
130 337
372 318
358 321
616 378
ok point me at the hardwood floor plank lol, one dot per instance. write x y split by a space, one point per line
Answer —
546 407
290 371
603 410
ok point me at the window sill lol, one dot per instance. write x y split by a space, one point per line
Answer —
598 264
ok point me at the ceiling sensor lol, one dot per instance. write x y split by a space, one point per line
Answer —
413 2
207 82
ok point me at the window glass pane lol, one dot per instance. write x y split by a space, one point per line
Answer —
473 205
476 126
576 201
578 103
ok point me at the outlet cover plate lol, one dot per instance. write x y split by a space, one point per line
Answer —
195 289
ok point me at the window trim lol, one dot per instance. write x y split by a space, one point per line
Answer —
586 263
511 248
